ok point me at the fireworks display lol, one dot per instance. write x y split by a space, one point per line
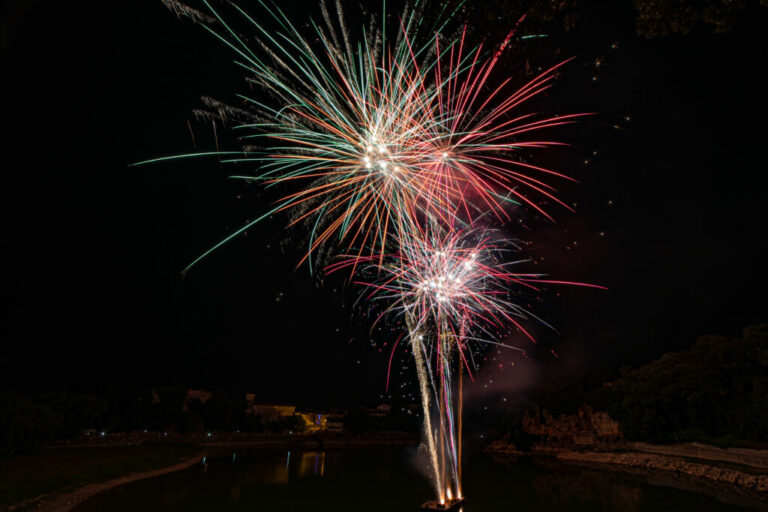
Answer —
395 149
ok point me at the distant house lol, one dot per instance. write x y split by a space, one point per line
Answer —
196 395
313 421
337 427
335 420
380 410
585 429
271 413
583 439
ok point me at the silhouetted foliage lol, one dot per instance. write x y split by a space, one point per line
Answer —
658 18
714 391
218 412
29 420
653 18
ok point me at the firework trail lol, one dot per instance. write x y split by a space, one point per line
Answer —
452 287
391 148
417 348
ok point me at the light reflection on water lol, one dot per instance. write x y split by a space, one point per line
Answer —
391 480
312 463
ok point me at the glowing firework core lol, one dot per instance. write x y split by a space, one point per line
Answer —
448 277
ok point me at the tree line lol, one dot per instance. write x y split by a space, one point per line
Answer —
716 391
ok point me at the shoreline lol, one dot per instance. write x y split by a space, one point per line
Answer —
310 443
67 500
722 492
740 478
707 471
698 471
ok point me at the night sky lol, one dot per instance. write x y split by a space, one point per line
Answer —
670 212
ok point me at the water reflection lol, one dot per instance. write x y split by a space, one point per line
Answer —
311 464
272 471
611 490
346 481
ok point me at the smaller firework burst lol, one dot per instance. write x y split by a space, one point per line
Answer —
460 280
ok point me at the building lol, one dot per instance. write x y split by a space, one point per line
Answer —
195 395
270 413
380 411
313 421
585 429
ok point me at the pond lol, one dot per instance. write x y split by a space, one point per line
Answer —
392 480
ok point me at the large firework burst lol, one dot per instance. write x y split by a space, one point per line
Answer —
364 135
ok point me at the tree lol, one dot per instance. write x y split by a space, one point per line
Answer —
714 391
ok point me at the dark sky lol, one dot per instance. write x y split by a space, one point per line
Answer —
93 248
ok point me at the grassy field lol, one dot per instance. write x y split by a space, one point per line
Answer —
25 476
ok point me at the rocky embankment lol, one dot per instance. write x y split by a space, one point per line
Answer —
697 470
591 436
709 471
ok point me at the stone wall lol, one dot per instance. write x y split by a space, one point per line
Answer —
740 456
696 470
